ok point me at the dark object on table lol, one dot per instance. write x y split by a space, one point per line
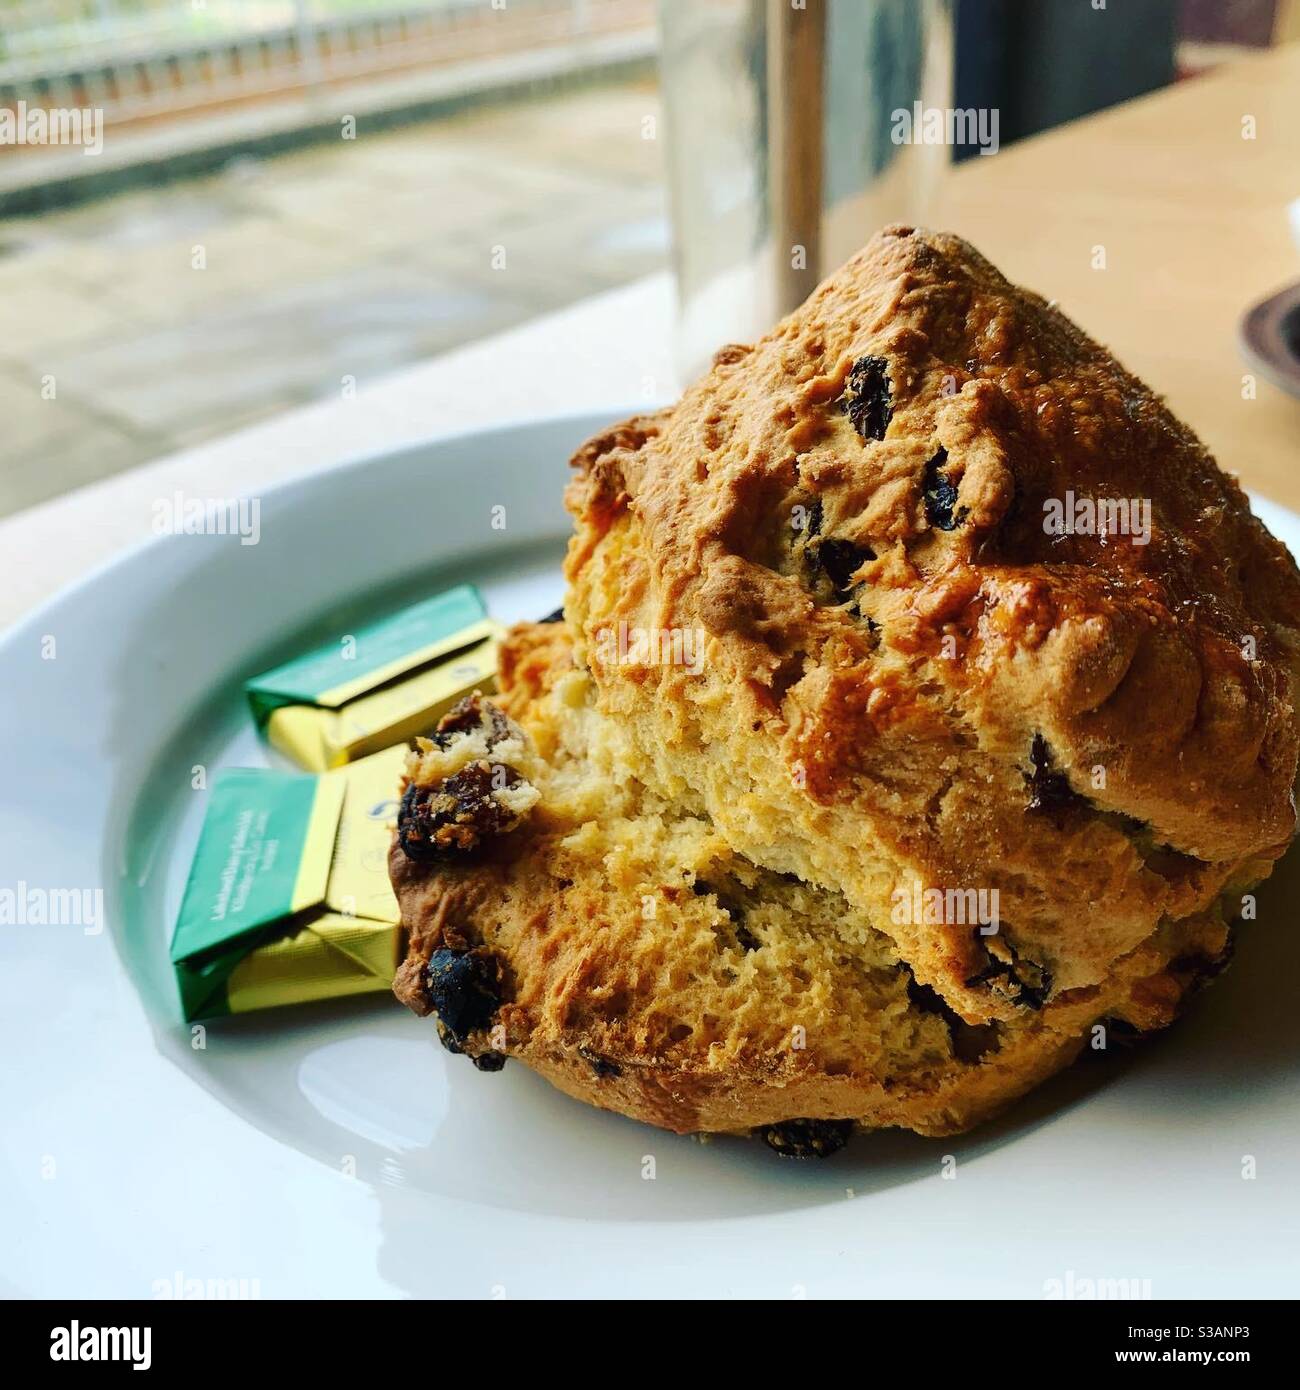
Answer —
1270 338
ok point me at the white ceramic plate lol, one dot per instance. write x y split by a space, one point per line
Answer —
338 1150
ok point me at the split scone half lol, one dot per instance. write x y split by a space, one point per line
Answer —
561 913
922 597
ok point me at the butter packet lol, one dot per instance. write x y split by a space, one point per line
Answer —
288 898
383 685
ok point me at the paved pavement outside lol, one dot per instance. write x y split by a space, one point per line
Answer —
154 320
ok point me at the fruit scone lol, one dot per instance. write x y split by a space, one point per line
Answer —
965 605
562 913
918 606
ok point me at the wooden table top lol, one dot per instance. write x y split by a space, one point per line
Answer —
1193 219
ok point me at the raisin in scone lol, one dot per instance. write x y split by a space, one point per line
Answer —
907 667
562 913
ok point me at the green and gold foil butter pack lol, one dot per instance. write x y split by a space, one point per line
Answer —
288 898
382 685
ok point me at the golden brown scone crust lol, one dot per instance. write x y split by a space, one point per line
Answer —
641 965
905 676
672 887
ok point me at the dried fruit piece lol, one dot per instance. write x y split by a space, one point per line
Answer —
469 714
1049 788
867 400
807 1138
464 989
839 560
829 558
455 815
1012 976
489 1061
941 495
602 1066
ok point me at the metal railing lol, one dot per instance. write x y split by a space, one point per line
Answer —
144 59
